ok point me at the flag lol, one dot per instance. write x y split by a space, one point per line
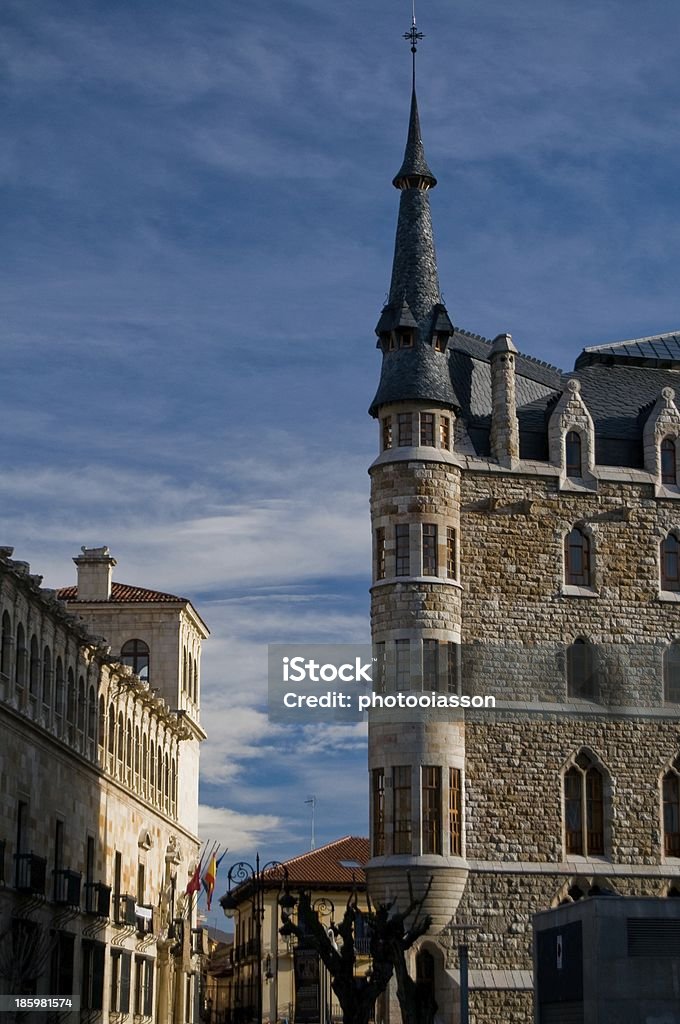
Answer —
194 882
209 879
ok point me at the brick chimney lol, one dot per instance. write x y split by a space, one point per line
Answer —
94 574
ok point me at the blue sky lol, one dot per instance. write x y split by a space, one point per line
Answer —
198 226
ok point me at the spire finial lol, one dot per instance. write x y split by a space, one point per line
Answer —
414 36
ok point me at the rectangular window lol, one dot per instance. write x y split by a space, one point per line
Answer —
444 432
403 664
430 664
143 1005
380 553
406 339
117 880
140 883
455 817
92 993
89 860
451 553
405 429
121 963
453 673
432 809
386 432
573 811
429 549
379 678
378 780
61 964
402 545
401 794
427 429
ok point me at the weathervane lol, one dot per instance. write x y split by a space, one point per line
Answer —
413 36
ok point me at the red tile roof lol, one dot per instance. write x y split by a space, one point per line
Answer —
123 593
337 863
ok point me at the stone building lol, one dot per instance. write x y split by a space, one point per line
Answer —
526 544
98 795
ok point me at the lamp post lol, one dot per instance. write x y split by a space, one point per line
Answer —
254 880
463 964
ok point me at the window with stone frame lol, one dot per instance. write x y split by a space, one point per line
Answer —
401 802
402 655
584 808
574 454
671 810
451 561
404 429
378 811
668 462
380 549
379 683
431 799
429 532
6 644
453 667
445 432
427 429
670 563
582 670
386 432
135 653
671 673
455 815
577 559
34 668
21 662
430 664
402 549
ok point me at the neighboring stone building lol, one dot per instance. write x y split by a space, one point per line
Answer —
98 802
526 539
332 874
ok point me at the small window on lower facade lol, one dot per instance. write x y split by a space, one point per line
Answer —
670 563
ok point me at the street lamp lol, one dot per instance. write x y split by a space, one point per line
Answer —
258 877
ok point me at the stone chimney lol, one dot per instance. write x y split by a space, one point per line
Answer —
504 425
94 574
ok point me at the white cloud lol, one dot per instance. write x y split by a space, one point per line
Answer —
237 831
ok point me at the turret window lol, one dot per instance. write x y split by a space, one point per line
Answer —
670 563
406 339
455 816
401 796
577 558
451 553
432 809
453 667
402 550
574 454
440 342
671 673
378 795
445 432
668 463
584 808
386 432
429 549
427 429
402 654
379 684
430 664
405 429
380 553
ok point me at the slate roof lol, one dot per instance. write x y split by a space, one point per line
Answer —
661 351
123 593
414 163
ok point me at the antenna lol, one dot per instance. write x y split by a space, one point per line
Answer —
413 36
312 800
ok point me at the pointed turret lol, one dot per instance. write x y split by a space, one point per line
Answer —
414 326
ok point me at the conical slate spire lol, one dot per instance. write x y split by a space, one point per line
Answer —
414 172
415 371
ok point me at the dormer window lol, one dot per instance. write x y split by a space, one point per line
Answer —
668 464
406 339
439 342
384 340
392 343
574 455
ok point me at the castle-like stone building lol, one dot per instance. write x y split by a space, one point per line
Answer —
526 544
98 793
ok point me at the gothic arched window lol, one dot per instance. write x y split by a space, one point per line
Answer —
574 454
577 560
584 807
34 670
6 651
671 810
670 563
668 464
47 676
